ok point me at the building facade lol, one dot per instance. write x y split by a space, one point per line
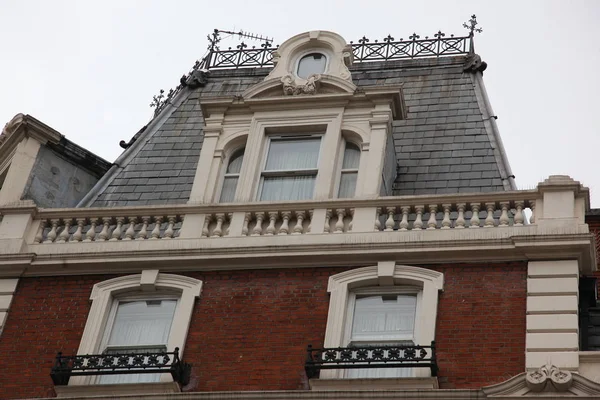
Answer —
317 220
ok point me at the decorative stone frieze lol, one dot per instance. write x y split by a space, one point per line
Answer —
549 377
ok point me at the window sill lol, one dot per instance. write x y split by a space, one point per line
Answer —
374 384
116 389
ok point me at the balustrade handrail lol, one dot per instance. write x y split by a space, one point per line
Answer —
259 206
120 363
376 356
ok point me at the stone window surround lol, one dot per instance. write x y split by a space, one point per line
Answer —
325 121
386 274
151 282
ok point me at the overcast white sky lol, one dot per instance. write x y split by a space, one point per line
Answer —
90 69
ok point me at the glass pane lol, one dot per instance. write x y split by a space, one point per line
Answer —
347 185
313 63
228 192
142 323
287 188
384 317
351 157
235 164
293 154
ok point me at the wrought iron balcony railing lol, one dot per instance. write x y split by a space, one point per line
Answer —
403 356
121 363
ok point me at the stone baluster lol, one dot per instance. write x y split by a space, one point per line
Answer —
310 214
351 224
432 222
39 235
284 229
169 232
246 222
532 206
130 232
64 234
272 220
258 229
504 221
229 218
418 224
205 227
389 222
474 223
90 235
103 235
339 224
143 233
519 217
78 235
299 228
51 236
404 221
327 226
460 219
156 231
377 221
446 223
489 220
116 233
218 231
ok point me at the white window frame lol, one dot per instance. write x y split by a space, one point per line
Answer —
385 277
300 55
342 151
287 173
225 174
150 284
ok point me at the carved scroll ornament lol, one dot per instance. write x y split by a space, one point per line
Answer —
291 88
551 377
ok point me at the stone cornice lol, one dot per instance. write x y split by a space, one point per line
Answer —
349 249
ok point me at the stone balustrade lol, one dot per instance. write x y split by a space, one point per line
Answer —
545 205
102 227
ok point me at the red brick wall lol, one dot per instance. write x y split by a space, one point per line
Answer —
250 328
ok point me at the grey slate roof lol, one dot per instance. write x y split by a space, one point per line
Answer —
442 146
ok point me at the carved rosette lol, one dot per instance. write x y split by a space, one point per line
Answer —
559 381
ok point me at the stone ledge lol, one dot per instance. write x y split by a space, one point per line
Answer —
123 389
373 384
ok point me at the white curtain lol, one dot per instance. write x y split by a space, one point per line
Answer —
349 171
293 154
287 188
232 176
347 185
383 320
139 326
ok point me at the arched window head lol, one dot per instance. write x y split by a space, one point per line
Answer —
313 63
232 175
349 171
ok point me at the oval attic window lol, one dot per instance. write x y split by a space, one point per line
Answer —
313 63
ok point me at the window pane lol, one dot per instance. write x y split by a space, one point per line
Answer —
293 154
347 185
142 323
228 191
235 164
287 188
313 63
351 157
384 317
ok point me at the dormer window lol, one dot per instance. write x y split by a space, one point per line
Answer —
313 63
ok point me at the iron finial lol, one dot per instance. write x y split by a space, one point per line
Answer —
471 26
363 40
439 35
388 39
414 36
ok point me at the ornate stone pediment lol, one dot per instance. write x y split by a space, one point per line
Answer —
547 381
289 78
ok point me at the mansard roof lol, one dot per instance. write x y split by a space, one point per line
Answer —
445 145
